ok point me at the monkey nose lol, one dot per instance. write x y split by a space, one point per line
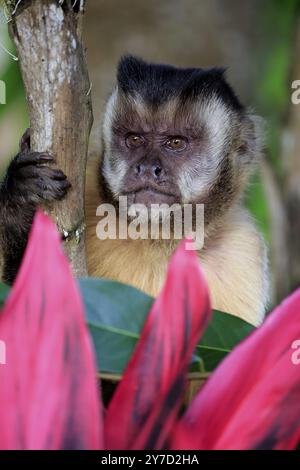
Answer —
149 171
156 171
139 169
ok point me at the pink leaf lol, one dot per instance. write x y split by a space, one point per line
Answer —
253 398
48 393
146 402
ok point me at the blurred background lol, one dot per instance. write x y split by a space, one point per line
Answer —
257 41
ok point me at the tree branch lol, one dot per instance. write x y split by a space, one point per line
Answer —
48 38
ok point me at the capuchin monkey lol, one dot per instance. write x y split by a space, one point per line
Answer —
170 135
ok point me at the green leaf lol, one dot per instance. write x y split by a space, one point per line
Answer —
223 333
116 314
4 291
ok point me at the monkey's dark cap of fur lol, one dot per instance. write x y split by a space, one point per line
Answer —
158 83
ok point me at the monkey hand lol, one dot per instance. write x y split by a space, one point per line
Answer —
30 178
29 181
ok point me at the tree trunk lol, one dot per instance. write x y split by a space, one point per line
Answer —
48 38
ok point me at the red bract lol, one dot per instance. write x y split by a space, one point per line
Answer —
145 406
48 392
252 401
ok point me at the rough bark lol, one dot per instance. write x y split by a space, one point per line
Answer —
48 38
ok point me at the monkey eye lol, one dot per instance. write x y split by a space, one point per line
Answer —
134 141
176 143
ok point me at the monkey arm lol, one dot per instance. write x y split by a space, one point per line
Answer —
28 183
15 221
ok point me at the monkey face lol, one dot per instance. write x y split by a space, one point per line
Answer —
175 136
151 151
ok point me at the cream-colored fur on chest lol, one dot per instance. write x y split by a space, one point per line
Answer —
234 260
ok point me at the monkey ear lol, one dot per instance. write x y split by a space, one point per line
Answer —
252 143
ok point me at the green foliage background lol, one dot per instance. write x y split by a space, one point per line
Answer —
273 95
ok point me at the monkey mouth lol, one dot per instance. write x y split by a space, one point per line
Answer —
149 195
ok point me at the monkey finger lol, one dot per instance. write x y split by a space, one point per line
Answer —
57 174
37 189
25 141
33 172
33 158
54 190
43 171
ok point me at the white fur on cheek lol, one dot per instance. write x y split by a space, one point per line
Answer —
216 116
113 173
108 118
195 180
114 176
